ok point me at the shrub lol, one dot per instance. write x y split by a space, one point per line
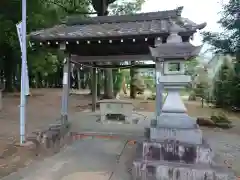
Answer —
192 96
221 120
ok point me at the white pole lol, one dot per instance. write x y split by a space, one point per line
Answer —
23 73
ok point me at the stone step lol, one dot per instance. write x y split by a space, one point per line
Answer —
179 171
174 151
191 136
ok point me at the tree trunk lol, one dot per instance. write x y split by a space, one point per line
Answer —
108 84
132 89
9 81
124 86
79 79
89 82
109 78
1 105
105 83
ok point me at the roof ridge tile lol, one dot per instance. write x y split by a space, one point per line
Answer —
158 15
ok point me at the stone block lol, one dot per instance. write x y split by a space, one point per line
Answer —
59 129
191 136
174 151
52 139
49 139
34 139
179 171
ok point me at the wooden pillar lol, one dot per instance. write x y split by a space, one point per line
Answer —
132 88
94 88
99 78
66 86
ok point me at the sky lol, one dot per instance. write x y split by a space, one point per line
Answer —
198 11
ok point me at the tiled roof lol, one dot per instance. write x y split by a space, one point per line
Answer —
118 26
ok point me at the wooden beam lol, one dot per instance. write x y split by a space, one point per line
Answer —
141 66
82 59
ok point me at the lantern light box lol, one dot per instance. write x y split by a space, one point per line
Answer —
173 74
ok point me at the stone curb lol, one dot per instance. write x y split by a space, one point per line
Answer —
50 140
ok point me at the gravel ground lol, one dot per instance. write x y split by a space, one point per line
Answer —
226 146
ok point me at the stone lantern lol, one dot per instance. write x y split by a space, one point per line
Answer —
174 147
173 55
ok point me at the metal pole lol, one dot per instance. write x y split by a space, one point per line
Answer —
23 73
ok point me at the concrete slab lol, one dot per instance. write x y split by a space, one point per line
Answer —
85 159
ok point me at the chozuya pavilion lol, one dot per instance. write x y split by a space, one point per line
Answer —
174 147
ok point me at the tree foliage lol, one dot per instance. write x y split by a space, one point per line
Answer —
10 56
227 42
223 90
190 67
126 7
227 81
42 63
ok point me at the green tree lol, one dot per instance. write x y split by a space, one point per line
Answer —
40 14
69 7
223 85
126 7
190 67
228 42
101 6
10 55
201 83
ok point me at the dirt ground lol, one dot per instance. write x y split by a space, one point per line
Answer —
43 108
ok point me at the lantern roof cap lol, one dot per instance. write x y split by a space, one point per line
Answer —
173 51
